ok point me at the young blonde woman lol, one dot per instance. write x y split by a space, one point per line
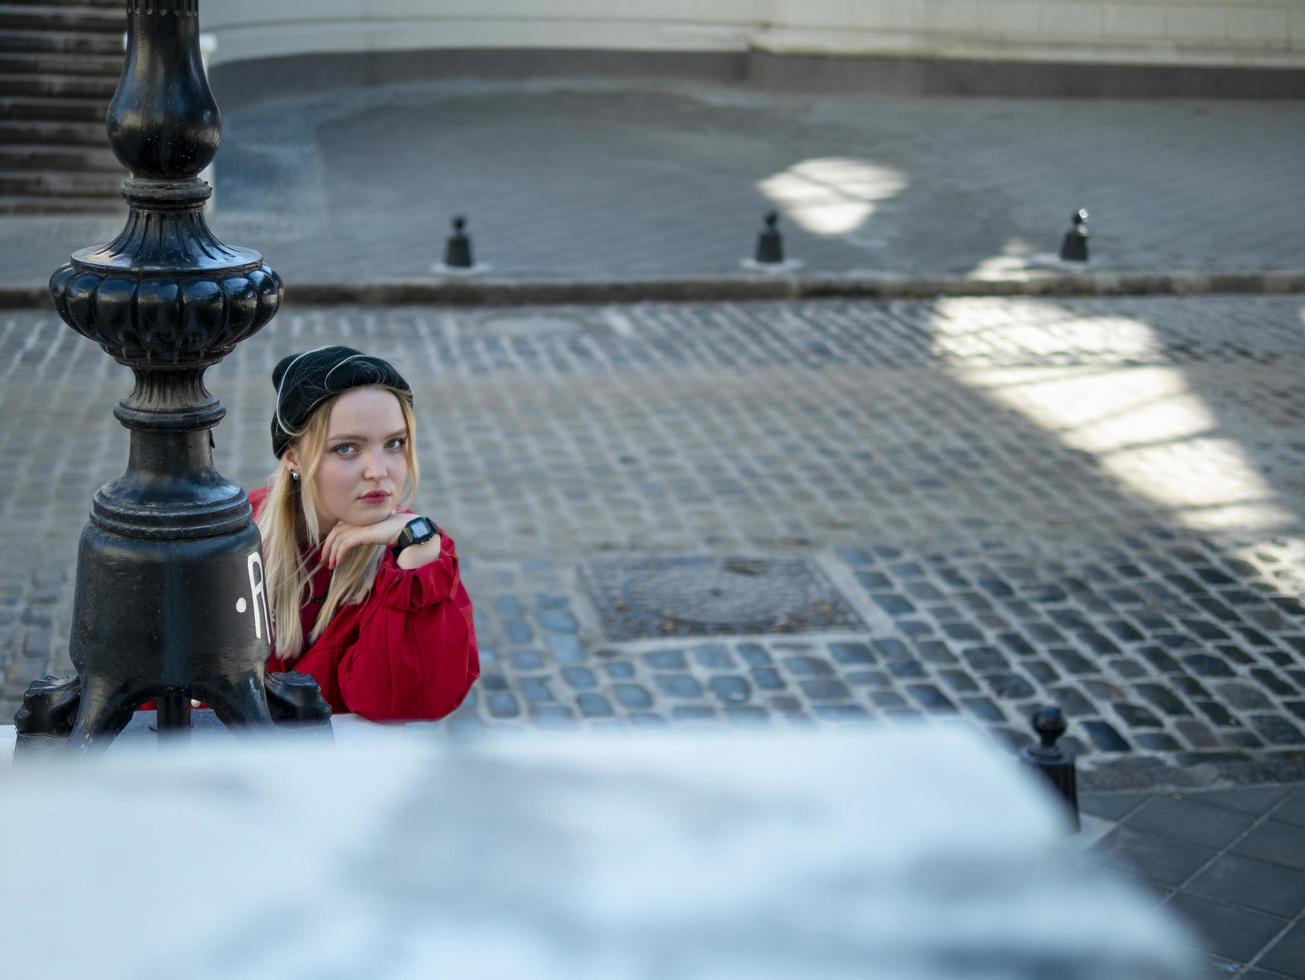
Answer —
365 596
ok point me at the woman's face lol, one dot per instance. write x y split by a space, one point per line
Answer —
364 466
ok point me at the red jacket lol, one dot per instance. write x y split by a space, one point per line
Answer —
405 653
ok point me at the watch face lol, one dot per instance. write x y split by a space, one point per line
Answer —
419 528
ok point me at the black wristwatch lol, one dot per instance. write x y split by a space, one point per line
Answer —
419 530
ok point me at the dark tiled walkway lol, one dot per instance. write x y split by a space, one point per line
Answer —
1229 862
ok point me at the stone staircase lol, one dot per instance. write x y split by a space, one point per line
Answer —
59 66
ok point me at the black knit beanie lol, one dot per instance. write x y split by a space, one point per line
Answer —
304 381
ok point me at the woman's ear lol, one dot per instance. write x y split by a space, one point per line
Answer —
290 460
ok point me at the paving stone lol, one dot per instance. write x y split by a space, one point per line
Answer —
731 689
749 714
1182 817
807 666
558 620
1217 713
753 654
983 709
535 689
1123 630
785 704
1235 654
1162 698
1273 683
1009 686
594 705
963 632
1105 737
1236 934
931 698
677 686
1071 701
1241 739
1156 741
1277 730
1164 862
566 649
714 656
1253 884
1241 695
1205 665
619 671
527 659
1072 661
1041 671
826 690
868 678
1160 660
887 699
1190 687
1287 955
934 652
692 712
891 648
840 712
632 695
985 659
874 580
665 659
906 669
1111 806
1044 634
503 705
1135 716
518 630
768 679
852 653
580 678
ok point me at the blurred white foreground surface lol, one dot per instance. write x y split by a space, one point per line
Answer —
903 854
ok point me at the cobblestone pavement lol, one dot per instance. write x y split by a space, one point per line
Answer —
804 514
584 180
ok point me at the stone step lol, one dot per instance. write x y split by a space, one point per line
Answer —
54 183
61 63
111 4
37 107
68 158
27 204
62 86
71 42
60 17
24 131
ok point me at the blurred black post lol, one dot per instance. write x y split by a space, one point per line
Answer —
1053 762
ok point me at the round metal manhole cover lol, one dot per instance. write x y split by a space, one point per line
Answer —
531 327
660 597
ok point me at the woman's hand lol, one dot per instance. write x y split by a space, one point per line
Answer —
344 536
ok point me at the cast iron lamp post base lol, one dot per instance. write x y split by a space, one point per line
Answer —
170 601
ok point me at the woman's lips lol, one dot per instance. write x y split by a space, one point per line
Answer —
375 498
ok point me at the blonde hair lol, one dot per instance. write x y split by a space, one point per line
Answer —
291 535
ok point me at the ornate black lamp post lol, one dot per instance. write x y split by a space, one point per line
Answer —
169 601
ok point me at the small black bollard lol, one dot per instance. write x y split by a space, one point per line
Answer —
770 246
1074 247
1054 763
457 250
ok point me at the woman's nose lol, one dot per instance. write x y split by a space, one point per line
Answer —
374 465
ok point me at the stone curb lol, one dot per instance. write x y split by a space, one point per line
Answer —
489 292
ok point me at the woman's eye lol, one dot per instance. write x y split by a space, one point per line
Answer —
344 449
396 443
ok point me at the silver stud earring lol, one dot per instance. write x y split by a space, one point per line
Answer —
294 475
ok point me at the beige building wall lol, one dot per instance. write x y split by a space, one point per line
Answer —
1233 33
